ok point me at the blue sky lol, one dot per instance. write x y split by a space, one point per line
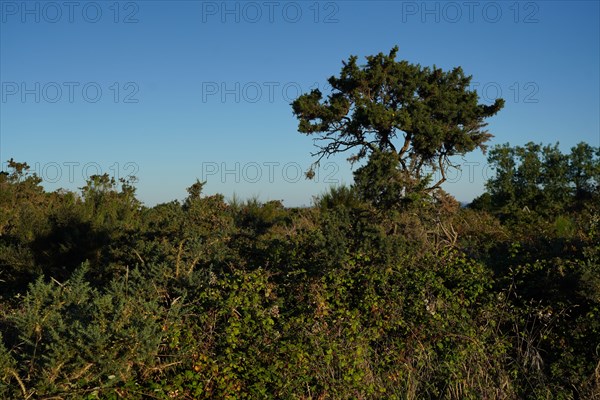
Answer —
179 90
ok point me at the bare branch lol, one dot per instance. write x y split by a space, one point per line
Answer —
441 158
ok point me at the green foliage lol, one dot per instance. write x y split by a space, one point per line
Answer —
385 185
431 112
383 289
74 339
541 179
24 210
370 293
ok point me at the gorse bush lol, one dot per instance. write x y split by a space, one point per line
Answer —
73 339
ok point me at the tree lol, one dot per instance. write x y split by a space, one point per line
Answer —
432 113
554 177
383 183
584 170
502 186
529 174
541 178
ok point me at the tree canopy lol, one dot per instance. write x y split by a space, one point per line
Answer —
420 115
541 178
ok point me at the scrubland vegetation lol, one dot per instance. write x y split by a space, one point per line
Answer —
384 289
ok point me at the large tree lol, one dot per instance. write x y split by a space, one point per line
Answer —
420 116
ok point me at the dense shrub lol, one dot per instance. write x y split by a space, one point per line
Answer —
354 297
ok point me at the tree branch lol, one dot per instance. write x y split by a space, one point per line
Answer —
441 159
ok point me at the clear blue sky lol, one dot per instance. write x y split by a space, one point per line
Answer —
179 90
